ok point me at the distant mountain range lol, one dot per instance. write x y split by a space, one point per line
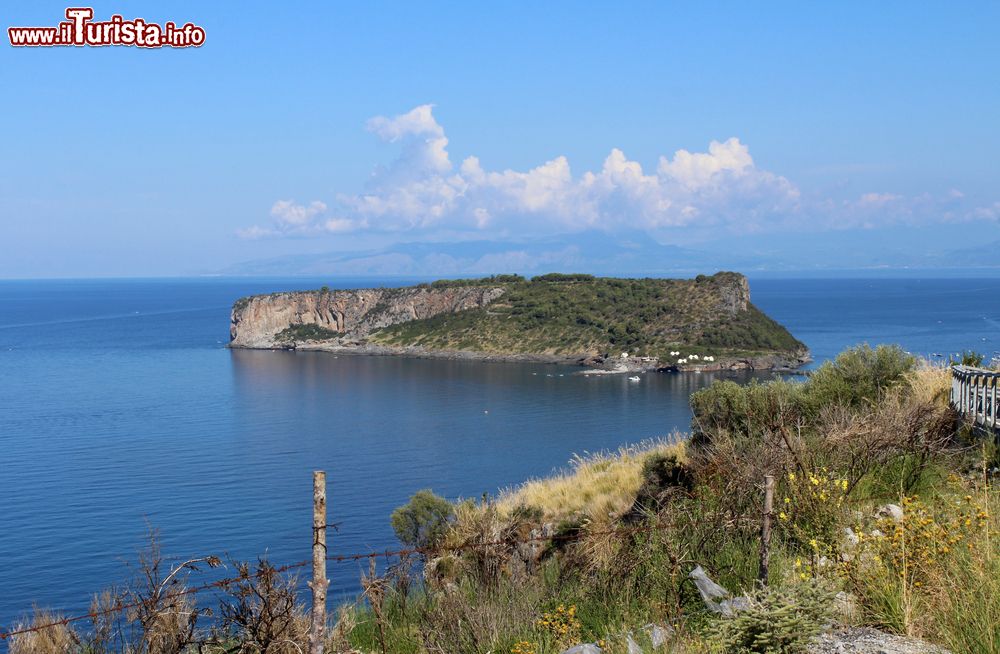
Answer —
629 254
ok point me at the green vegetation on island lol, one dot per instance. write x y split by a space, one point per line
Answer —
305 332
578 314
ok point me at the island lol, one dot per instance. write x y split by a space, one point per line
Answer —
608 324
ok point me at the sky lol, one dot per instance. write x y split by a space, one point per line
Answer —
306 128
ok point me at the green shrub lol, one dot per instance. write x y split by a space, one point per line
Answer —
777 621
563 277
749 410
971 358
751 327
859 375
307 332
424 520
477 281
662 475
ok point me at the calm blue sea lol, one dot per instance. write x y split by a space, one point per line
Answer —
121 409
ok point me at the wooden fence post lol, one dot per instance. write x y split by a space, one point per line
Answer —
319 583
765 530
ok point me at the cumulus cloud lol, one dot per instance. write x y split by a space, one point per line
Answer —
722 188
291 215
292 219
991 213
423 189
874 209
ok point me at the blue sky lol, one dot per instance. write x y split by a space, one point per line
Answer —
874 120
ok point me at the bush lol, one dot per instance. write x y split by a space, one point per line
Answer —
662 476
971 358
477 281
750 410
859 375
423 521
777 621
305 332
260 610
563 277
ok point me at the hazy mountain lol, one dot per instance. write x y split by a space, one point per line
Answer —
637 254
595 252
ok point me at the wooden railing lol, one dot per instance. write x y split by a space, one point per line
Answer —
975 394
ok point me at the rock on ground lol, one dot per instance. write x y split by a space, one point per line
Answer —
864 640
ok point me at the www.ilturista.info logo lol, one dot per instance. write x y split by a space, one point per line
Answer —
81 30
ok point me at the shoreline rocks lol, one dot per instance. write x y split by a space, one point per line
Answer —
775 363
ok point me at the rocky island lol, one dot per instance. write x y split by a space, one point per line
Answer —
705 323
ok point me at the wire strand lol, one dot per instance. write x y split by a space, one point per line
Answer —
120 607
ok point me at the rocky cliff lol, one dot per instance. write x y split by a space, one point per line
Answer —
263 321
696 323
734 292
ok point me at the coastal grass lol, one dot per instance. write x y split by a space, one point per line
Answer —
874 428
595 485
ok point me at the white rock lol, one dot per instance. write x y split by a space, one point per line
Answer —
892 511
585 648
851 539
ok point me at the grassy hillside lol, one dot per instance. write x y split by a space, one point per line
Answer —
885 517
872 428
577 314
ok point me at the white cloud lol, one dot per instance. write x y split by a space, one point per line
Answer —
878 200
292 219
991 212
424 144
723 188
292 216
698 169
876 209
422 189
254 232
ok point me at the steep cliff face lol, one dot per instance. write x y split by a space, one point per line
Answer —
734 292
257 321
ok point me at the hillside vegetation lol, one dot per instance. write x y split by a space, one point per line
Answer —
581 314
884 517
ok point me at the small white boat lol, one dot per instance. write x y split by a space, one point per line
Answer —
634 378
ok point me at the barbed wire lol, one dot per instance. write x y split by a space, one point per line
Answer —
120 606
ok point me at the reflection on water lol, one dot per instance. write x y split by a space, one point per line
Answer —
120 407
215 448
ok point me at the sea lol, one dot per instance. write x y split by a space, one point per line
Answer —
123 413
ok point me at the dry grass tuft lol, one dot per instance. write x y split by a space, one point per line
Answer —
930 383
596 486
59 639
